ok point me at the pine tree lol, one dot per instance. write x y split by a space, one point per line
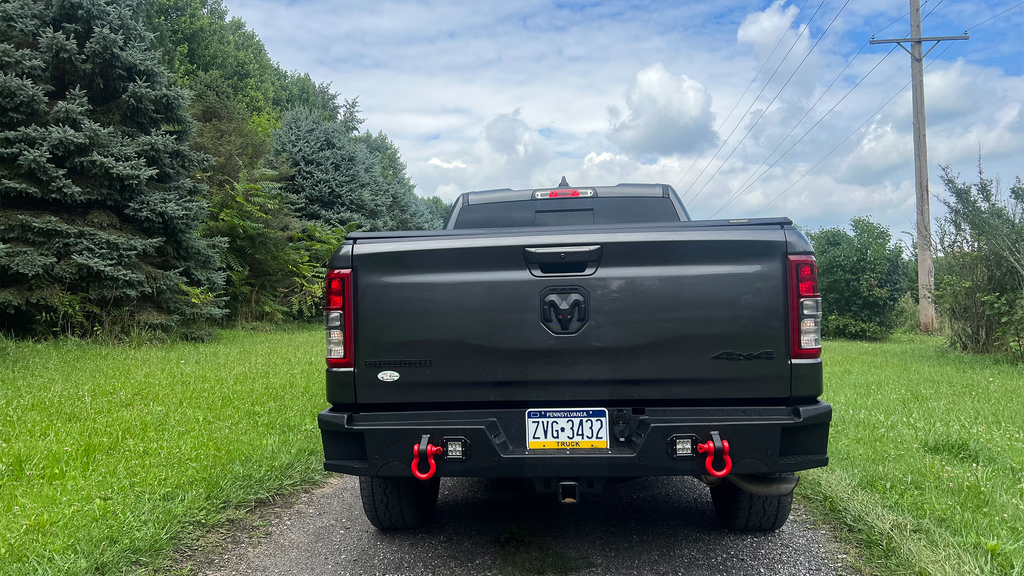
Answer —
342 176
405 210
336 179
98 214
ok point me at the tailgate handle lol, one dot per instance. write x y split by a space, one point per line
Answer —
563 260
564 254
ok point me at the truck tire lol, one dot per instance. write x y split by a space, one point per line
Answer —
399 503
738 509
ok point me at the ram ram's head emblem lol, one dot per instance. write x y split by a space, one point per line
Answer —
564 310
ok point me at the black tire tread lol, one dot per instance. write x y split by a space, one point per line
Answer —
399 503
738 509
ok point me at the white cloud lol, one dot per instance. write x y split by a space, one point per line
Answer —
667 114
762 29
604 168
447 164
504 152
508 135
448 191
519 94
881 149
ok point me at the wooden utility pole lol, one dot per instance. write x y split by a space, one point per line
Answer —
925 271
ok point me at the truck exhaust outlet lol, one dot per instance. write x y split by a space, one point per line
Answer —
568 492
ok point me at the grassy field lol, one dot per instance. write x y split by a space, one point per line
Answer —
927 448
110 457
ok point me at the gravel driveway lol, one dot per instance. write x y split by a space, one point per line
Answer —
648 526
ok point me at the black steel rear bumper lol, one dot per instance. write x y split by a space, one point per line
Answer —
763 440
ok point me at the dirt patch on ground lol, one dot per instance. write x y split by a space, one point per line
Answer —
245 527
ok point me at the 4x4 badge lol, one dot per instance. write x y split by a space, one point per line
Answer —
564 310
737 356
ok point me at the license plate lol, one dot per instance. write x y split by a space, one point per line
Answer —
567 428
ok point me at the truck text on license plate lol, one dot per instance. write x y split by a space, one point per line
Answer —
567 428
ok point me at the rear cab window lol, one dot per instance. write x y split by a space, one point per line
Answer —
571 211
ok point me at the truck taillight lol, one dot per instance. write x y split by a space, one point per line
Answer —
338 318
805 307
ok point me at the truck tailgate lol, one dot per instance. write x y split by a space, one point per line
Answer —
671 314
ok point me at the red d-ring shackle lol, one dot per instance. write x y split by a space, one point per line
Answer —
709 447
429 450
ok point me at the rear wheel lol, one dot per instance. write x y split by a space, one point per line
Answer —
399 503
738 509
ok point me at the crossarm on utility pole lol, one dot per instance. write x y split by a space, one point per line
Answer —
965 36
935 39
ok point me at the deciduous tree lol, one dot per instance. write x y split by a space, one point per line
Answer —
861 280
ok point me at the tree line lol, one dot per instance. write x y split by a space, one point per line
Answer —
869 285
160 173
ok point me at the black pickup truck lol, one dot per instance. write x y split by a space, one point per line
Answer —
573 337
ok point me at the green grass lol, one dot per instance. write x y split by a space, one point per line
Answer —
112 456
927 457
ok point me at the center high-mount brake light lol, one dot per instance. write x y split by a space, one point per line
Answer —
565 193
805 308
338 318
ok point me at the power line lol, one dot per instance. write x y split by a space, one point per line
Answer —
742 190
932 10
790 187
768 107
1018 5
744 186
740 99
898 19
806 27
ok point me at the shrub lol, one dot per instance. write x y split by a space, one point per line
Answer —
861 278
980 285
305 298
275 264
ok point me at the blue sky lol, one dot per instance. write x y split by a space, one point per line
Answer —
516 94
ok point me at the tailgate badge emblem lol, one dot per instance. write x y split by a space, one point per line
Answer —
388 376
732 356
564 310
